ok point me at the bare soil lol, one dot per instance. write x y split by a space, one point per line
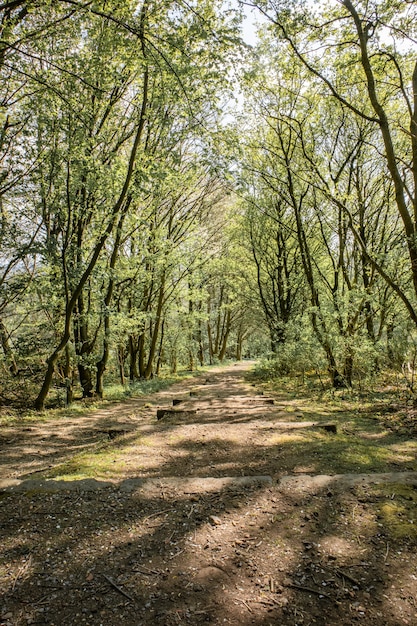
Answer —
234 508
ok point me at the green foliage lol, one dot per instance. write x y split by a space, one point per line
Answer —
142 230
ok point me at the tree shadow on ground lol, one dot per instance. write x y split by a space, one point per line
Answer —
162 555
167 554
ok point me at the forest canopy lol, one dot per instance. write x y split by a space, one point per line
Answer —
172 196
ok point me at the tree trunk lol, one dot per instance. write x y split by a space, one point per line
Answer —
133 363
348 369
161 349
121 361
225 335
200 353
68 373
210 343
155 330
7 349
141 355
49 374
173 361
239 349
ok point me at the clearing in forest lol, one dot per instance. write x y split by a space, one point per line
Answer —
240 505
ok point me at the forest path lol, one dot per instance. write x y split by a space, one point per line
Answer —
213 425
233 508
220 425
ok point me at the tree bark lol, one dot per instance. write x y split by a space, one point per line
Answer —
7 349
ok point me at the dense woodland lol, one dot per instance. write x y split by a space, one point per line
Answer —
172 196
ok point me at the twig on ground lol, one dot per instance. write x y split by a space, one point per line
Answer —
173 556
348 577
148 517
318 592
119 589
244 603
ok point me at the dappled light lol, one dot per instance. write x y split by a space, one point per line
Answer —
207 517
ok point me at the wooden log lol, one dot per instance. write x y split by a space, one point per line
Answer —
163 413
329 428
262 399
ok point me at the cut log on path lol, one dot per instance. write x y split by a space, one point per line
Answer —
329 428
163 413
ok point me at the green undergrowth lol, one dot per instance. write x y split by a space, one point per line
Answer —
113 393
376 430
396 507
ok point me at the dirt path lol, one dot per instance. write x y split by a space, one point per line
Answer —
224 511
219 425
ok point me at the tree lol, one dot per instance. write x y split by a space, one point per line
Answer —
317 165
366 64
116 102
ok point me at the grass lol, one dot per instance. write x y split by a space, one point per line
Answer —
113 393
106 461
397 510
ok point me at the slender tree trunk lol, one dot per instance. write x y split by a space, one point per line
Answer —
161 349
155 330
217 337
121 361
200 354
225 335
142 355
101 365
69 378
7 349
209 333
190 331
239 343
173 361
133 362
